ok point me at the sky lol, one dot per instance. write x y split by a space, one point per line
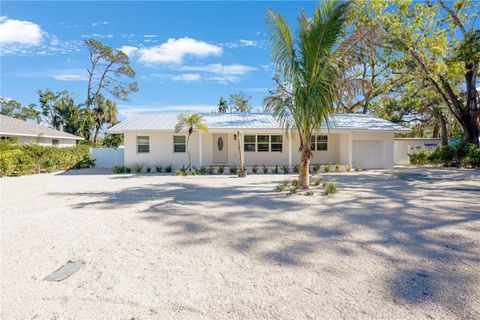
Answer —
186 54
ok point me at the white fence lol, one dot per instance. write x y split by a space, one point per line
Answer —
405 146
107 157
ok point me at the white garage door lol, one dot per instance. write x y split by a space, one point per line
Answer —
368 154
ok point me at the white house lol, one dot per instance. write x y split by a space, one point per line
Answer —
353 139
26 132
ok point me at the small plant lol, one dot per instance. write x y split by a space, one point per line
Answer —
316 169
265 169
254 168
159 168
220 169
184 172
118 169
128 170
179 173
358 169
296 183
202 171
138 167
274 170
149 169
337 167
285 169
168 168
233 170
348 168
329 188
280 187
327 168
296 169
211 170
309 193
316 182
293 189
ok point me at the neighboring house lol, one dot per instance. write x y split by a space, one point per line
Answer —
405 146
26 132
353 139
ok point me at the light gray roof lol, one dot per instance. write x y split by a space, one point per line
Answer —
250 121
19 128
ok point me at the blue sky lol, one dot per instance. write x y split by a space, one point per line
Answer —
186 54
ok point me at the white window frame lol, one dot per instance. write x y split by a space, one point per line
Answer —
256 143
179 143
316 141
143 144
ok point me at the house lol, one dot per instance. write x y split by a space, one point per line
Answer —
353 139
25 132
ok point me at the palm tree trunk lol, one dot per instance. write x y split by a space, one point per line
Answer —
95 136
188 152
304 174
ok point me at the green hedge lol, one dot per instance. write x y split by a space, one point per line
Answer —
17 159
449 156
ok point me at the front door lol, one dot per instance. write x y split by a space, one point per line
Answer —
220 148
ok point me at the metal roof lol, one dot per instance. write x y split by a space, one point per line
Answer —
250 121
16 127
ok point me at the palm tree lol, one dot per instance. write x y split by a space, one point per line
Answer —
192 122
105 112
309 66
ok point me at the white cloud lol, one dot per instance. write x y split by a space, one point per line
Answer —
244 43
188 77
230 69
128 50
19 32
59 74
150 36
99 23
175 50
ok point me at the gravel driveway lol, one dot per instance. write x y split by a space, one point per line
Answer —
389 245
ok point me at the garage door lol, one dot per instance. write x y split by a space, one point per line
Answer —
368 154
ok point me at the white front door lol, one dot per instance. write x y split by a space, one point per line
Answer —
220 148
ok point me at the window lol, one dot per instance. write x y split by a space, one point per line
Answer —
54 142
262 143
276 143
143 144
249 144
179 144
319 143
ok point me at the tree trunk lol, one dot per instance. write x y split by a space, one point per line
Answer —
304 174
95 136
188 153
443 129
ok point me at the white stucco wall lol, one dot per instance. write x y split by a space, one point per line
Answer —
161 150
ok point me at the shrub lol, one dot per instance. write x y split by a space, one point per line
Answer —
159 168
118 169
15 162
327 168
337 167
309 193
128 170
316 169
285 169
348 168
254 168
149 169
296 183
220 170
203 170
264 169
358 169
473 156
274 170
211 170
137 167
296 169
329 188
233 170
168 168
419 158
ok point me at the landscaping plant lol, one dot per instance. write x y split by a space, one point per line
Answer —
329 188
137 167
254 168
285 169
264 169
159 168
220 169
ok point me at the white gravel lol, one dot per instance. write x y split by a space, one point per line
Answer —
389 245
